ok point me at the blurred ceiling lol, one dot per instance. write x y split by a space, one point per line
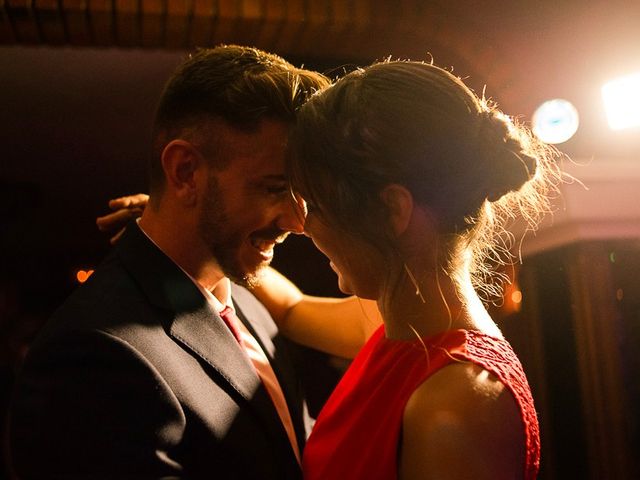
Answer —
523 50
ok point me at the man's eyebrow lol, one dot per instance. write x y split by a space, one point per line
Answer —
268 180
272 178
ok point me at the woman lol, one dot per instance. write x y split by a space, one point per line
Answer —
408 177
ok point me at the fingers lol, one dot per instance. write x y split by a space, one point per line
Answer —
117 220
139 200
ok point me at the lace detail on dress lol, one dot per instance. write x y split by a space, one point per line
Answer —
498 357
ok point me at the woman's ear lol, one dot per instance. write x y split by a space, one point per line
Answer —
180 161
399 202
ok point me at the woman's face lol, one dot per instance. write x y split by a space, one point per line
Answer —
357 264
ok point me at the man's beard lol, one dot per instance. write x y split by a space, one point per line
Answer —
225 240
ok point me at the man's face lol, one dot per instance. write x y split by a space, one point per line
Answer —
247 207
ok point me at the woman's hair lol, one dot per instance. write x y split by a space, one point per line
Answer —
418 125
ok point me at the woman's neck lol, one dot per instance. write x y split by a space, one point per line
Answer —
431 303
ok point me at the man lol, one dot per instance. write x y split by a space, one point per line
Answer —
159 366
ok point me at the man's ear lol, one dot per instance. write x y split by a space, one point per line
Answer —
180 161
399 202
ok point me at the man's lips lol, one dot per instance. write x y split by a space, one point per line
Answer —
265 244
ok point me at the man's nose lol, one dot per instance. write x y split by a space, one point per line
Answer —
293 215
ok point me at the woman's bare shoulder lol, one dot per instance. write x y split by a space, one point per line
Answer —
462 422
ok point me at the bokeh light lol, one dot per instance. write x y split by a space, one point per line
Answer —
83 275
555 121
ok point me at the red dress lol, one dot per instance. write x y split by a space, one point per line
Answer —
357 432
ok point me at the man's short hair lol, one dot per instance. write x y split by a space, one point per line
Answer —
235 84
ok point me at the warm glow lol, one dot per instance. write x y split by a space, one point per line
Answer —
555 121
83 275
516 296
622 102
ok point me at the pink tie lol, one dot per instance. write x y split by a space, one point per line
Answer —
264 370
230 319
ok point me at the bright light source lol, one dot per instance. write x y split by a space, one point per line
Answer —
622 102
555 121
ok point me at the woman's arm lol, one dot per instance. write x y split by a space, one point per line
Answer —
338 326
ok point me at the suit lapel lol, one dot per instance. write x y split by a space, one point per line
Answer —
188 316
206 335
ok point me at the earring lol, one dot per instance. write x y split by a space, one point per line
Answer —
414 282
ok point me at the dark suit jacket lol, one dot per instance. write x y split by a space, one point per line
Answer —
135 376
